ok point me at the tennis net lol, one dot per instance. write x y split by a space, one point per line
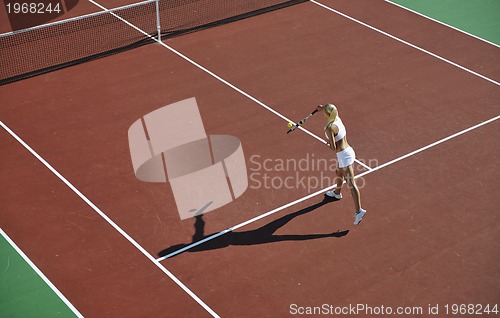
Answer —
41 49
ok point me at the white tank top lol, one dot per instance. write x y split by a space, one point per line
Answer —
342 131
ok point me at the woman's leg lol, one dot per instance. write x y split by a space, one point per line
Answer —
340 179
351 182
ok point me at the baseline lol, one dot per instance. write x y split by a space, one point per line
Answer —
209 238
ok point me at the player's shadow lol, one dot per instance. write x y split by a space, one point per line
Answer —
262 235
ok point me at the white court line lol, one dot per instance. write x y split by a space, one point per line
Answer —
217 77
111 222
407 43
322 191
433 144
442 23
39 272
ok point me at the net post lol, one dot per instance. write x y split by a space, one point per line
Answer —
158 26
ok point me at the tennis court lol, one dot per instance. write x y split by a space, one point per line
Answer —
420 100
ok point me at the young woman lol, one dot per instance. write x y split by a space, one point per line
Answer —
336 133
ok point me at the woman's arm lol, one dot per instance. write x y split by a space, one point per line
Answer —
331 141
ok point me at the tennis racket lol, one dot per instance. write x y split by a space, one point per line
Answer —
297 125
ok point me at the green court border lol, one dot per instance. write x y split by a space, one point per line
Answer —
479 18
25 291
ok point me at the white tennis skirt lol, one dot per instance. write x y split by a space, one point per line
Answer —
346 157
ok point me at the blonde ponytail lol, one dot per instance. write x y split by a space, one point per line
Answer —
332 113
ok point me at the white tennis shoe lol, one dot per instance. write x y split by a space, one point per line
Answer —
359 216
332 194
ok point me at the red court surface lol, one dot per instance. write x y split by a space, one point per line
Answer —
432 229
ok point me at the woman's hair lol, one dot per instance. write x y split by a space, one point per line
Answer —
332 113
